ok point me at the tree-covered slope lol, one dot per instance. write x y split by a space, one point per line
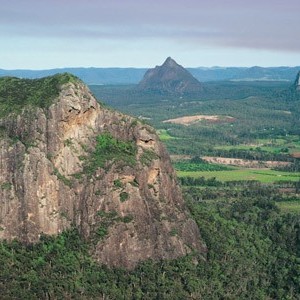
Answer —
253 253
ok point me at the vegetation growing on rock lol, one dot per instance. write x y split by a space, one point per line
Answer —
16 93
110 150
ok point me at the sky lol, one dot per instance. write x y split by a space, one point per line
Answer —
44 34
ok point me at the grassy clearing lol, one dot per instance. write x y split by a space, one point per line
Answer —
277 141
289 144
164 135
271 149
265 176
289 206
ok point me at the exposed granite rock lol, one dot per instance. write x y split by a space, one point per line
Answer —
128 213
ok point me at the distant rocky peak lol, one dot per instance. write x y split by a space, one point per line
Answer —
170 78
170 62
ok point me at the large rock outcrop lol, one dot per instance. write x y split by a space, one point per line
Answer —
170 78
74 162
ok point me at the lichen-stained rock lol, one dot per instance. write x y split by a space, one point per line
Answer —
74 162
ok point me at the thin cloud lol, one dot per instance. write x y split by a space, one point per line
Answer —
270 25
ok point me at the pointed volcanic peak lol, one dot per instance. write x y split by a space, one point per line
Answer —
170 78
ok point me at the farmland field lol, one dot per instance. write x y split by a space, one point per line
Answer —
288 144
289 206
164 135
264 176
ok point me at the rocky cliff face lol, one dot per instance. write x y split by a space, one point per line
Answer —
170 78
76 163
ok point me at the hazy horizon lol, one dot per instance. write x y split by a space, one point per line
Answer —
147 67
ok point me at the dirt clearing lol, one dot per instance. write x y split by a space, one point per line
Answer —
189 120
244 162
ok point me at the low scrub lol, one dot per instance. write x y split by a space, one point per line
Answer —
110 149
16 93
197 164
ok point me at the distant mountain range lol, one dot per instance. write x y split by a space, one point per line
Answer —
88 75
134 75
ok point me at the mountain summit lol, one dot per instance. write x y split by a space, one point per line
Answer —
170 78
67 161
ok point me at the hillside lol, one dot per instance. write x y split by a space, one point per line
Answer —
67 161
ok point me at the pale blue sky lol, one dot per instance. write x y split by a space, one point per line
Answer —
37 34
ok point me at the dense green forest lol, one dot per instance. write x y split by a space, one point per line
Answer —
253 253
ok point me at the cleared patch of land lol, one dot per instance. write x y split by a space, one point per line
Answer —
287 144
189 120
289 206
257 164
178 157
265 176
296 154
164 135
